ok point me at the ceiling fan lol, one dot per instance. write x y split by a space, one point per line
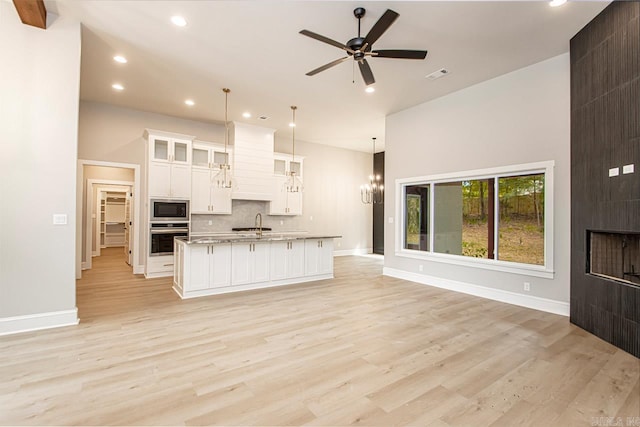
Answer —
359 48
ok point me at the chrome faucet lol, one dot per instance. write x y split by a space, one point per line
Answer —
258 224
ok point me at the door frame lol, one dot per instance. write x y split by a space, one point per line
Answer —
137 215
100 185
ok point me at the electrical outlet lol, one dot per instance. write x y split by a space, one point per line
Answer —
390 220
338 244
527 286
420 267
281 222
311 218
210 222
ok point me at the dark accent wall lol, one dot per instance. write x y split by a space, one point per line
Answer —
605 133
378 209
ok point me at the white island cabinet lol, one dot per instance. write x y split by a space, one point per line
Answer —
249 262
200 268
287 259
319 258
215 265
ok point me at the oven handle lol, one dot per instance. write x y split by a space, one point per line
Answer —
169 231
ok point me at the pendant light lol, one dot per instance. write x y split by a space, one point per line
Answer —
293 183
373 191
224 178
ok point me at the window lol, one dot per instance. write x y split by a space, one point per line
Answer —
494 218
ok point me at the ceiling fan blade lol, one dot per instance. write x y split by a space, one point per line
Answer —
327 66
381 26
326 40
400 53
367 74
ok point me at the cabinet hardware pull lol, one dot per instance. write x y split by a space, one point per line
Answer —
167 265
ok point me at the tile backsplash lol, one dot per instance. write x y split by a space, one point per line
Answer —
244 214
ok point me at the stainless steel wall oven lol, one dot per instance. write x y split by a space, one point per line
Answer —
161 237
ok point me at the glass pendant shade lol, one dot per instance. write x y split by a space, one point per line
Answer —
293 184
224 178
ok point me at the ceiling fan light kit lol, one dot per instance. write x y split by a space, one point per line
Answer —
359 48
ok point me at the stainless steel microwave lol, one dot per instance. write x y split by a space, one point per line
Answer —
169 210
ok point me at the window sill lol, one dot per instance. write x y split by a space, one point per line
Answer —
486 264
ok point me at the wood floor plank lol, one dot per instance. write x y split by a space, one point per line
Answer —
360 349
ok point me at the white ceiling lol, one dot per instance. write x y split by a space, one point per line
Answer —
253 47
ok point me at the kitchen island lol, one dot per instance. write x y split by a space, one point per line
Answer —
222 263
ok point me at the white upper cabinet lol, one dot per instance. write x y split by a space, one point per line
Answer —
206 196
284 202
209 155
169 166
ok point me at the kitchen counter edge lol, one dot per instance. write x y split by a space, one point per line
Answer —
239 239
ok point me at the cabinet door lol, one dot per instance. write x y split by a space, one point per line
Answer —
159 179
220 200
180 181
294 203
181 152
241 255
200 157
220 265
198 267
279 260
200 191
278 206
311 253
296 259
261 262
325 256
160 149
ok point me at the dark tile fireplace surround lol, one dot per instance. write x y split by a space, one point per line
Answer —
605 207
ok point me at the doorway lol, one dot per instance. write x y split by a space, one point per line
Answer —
108 214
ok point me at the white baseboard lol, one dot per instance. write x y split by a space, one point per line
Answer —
138 269
357 251
537 303
35 322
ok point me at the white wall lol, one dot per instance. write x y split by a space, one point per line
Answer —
332 175
39 88
520 117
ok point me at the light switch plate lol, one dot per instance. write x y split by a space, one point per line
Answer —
614 172
628 169
59 219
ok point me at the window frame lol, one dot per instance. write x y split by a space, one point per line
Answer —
545 167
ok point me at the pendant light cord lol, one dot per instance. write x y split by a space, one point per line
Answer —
226 120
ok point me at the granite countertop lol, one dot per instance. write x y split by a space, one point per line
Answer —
212 238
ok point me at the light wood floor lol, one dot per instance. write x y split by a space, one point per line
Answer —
361 349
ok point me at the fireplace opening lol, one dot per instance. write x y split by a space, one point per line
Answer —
614 256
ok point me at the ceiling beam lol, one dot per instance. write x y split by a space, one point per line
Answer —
32 12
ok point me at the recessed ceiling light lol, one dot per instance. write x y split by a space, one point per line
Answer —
370 89
292 125
246 115
556 3
120 59
190 102
179 21
117 86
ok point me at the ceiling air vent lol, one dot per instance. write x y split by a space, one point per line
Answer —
437 74
263 117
